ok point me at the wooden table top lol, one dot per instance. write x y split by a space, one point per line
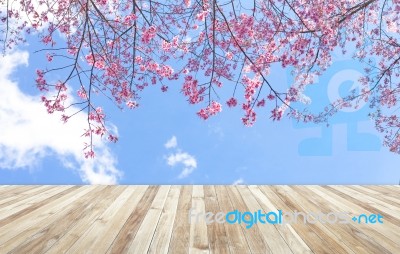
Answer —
156 219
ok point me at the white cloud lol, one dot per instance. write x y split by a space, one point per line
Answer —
186 172
172 143
188 161
184 158
28 134
238 181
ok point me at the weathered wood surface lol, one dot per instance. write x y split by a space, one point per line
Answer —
155 219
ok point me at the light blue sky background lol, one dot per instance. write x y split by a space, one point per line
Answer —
224 150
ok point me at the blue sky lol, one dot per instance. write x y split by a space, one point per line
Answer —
35 148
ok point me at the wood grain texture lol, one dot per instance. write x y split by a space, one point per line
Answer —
157 219
198 240
181 228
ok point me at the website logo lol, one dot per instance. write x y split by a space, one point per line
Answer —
280 217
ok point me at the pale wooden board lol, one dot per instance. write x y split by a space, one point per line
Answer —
271 235
101 225
146 231
14 192
29 202
376 201
349 235
128 232
253 236
372 205
218 241
333 202
6 189
234 232
314 238
356 207
72 234
390 196
198 240
111 230
294 241
155 219
41 236
162 236
301 204
21 228
180 233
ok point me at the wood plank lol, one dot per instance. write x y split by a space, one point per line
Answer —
128 232
117 221
52 228
104 229
394 188
15 191
311 235
294 241
198 241
147 229
162 237
4 189
155 219
72 234
29 190
21 228
372 204
301 204
19 194
29 201
237 240
218 241
376 201
23 207
271 235
390 230
253 236
349 234
179 243
383 195
336 203
386 190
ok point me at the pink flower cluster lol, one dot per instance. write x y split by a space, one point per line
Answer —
249 116
389 97
132 104
187 3
49 57
97 115
211 110
96 59
89 154
277 114
232 102
201 16
55 104
47 39
191 89
82 93
41 81
129 19
149 34
165 71
251 86
102 2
